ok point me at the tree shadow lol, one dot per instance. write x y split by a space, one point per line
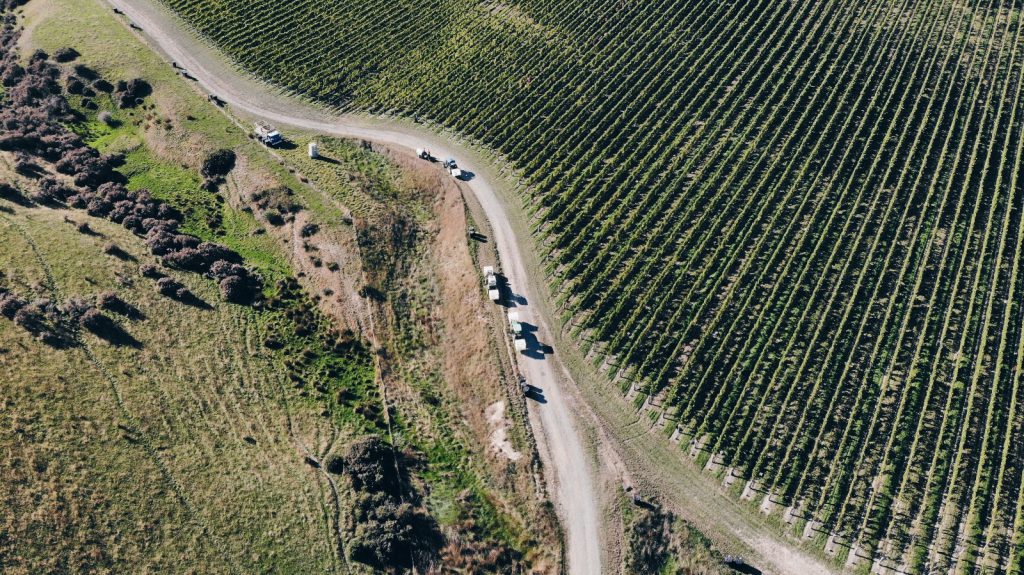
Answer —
192 300
125 309
119 253
108 330
14 195
744 568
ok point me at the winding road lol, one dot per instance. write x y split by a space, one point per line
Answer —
569 468
570 460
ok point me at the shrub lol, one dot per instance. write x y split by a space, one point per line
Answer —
150 271
309 229
274 217
108 300
168 286
75 308
237 289
10 304
218 163
74 85
94 320
50 190
130 94
370 465
106 117
64 55
102 85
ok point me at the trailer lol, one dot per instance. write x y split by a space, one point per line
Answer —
314 150
267 135
456 173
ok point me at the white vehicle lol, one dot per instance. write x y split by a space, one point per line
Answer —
514 324
266 134
520 343
492 284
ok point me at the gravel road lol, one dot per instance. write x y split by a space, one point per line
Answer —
567 463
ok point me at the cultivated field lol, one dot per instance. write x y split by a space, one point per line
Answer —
792 230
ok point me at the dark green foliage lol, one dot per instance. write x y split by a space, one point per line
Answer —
64 55
390 531
218 163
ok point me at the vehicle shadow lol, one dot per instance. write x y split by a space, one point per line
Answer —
536 394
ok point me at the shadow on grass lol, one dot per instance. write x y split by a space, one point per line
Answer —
109 331
192 300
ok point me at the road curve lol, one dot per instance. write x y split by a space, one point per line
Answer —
571 474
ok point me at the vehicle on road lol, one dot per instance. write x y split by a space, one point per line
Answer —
267 135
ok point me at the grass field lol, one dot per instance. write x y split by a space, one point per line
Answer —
188 452
119 458
793 227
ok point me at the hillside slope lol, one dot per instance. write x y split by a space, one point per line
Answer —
787 229
196 435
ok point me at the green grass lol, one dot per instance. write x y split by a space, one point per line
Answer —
166 479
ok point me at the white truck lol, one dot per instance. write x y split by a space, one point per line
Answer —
267 135
514 324
453 167
491 280
519 342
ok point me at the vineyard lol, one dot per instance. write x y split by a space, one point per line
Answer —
794 228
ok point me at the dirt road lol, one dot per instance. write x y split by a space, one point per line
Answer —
569 460
565 457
